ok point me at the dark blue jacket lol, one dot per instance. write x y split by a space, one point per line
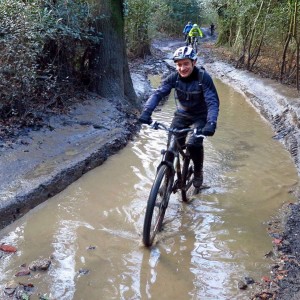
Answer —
187 28
194 96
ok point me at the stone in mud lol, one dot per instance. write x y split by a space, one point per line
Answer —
249 280
83 271
40 265
23 272
242 285
10 287
20 293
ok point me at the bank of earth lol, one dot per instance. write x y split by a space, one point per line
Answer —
42 163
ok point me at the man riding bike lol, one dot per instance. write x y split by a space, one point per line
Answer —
197 104
194 33
186 30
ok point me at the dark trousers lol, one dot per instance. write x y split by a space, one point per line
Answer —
194 144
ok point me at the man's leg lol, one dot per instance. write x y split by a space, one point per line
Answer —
195 146
197 156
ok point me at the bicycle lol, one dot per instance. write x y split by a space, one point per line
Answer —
175 172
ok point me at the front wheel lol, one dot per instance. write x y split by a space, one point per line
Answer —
157 204
187 178
196 46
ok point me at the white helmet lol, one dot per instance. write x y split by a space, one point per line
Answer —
184 52
195 25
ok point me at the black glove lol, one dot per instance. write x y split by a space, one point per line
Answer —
145 117
209 129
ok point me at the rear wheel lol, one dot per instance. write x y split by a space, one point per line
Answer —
187 178
157 204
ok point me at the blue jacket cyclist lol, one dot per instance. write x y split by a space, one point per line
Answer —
187 29
197 104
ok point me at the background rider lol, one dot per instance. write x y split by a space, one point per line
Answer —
195 32
187 29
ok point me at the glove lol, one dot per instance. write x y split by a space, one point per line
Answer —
209 129
145 117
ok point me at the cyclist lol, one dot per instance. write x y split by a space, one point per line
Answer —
194 33
186 30
197 104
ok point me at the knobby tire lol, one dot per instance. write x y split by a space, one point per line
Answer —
195 46
157 204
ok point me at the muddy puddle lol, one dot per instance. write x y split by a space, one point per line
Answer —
92 230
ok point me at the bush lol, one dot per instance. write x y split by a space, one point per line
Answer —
44 46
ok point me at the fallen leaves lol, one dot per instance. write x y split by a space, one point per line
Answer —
8 248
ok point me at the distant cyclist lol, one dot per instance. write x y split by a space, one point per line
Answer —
212 29
187 29
194 33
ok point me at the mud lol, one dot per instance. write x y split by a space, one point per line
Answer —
42 163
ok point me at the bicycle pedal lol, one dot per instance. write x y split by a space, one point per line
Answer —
204 187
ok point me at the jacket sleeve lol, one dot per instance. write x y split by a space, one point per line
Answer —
162 91
211 98
200 32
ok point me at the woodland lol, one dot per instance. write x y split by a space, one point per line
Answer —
54 52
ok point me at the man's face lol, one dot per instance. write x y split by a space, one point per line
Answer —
185 67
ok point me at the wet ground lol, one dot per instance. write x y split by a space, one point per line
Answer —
91 232
29 180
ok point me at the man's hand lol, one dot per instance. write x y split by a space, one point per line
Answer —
209 129
145 117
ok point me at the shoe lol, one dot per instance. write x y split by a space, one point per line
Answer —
198 180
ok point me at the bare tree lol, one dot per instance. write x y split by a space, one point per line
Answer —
291 34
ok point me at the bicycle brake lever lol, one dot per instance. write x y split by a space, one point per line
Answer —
198 135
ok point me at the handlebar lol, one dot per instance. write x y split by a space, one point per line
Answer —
156 125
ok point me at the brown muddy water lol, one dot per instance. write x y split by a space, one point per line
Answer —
93 228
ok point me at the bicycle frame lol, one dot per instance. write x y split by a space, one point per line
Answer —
175 154
164 184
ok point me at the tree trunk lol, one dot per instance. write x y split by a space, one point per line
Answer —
109 71
285 48
253 31
262 37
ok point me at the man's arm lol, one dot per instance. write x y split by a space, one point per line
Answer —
162 91
211 98
200 32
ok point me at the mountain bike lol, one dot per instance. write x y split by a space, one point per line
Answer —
175 172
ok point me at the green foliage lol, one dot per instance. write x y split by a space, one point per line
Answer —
263 34
171 16
137 22
42 46
151 18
